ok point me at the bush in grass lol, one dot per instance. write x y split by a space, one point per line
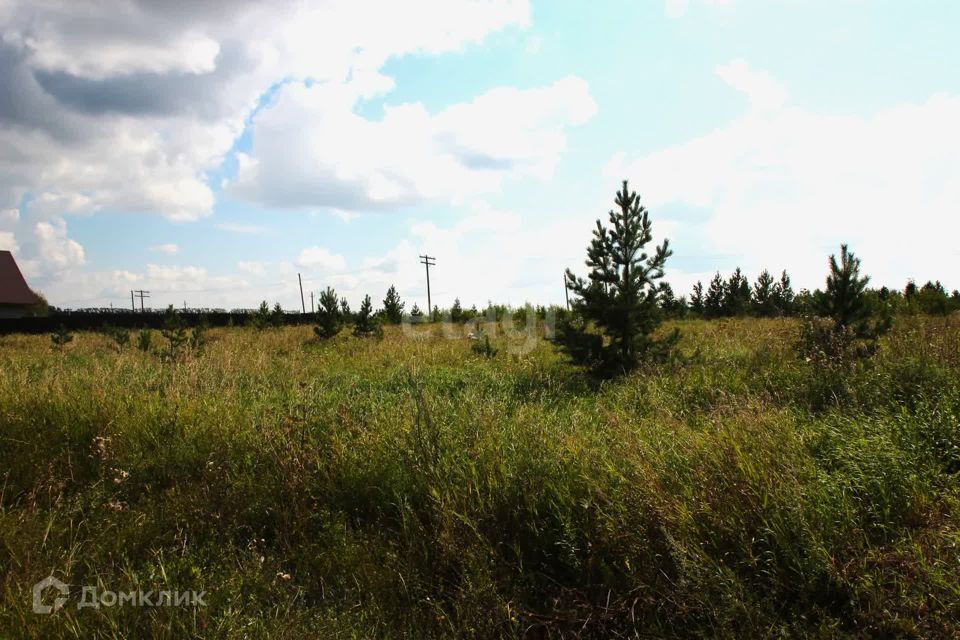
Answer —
60 338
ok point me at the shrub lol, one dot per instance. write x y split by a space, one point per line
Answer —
61 337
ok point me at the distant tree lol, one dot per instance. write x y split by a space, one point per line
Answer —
174 332
277 316
415 312
40 308
364 323
736 295
764 303
955 299
713 302
619 298
910 290
696 299
393 306
261 318
853 326
783 295
932 299
671 306
436 313
456 311
329 314
345 313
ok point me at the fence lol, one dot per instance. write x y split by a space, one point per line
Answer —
98 319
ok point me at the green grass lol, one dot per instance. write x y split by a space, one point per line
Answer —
411 488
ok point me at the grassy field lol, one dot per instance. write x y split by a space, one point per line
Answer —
411 488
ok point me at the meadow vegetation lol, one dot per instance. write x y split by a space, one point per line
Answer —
338 486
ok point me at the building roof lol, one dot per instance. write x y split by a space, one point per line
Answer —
13 288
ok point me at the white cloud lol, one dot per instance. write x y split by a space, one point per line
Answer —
168 248
785 188
55 250
310 149
130 106
763 91
251 267
320 258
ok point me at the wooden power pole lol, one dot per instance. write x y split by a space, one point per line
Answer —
428 261
303 305
142 294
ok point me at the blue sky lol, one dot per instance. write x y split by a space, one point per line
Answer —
215 158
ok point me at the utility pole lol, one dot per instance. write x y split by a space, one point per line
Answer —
566 290
311 302
133 305
141 294
302 304
428 261
184 305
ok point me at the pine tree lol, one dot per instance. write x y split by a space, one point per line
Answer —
620 295
763 299
853 325
671 306
364 324
736 298
456 311
277 317
436 313
696 299
392 306
261 319
329 314
783 297
415 311
713 302
345 313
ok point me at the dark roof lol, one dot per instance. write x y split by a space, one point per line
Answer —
13 288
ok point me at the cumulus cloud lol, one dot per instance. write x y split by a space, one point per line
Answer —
55 250
129 105
168 248
311 149
763 91
784 188
320 258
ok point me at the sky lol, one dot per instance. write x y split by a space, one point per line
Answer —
209 151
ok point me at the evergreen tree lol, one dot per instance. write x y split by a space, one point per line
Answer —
277 317
713 302
345 313
415 312
456 311
364 323
671 306
854 325
736 298
392 306
261 318
620 296
329 314
783 295
763 299
436 313
696 299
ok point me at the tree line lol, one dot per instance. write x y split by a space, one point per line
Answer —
618 307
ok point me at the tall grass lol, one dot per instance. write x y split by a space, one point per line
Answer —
411 488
